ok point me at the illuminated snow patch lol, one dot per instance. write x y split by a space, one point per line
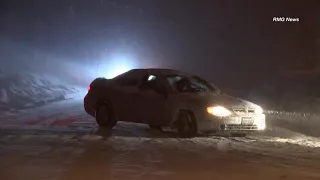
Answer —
309 142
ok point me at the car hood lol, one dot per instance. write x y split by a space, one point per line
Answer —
222 100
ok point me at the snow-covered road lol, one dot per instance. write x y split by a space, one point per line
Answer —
60 141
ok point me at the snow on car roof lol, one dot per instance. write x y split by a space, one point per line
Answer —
163 71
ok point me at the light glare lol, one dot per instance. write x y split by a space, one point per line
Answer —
258 110
262 126
117 65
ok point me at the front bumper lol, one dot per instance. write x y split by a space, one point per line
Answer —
232 123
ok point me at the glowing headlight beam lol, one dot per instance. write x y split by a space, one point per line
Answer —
218 111
116 65
116 71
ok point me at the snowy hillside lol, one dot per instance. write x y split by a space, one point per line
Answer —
27 90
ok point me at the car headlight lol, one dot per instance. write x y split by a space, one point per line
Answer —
218 111
258 110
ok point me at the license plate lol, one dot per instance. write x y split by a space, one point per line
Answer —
247 121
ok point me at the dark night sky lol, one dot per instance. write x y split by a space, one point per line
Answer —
222 40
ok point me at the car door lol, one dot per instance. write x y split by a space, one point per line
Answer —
152 102
128 97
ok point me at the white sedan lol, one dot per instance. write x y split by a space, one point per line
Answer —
170 98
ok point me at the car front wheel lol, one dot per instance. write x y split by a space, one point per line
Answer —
186 124
105 116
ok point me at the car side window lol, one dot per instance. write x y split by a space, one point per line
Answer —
172 80
198 85
150 83
156 83
187 84
133 79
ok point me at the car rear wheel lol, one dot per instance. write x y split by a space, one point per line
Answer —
105 116
186 124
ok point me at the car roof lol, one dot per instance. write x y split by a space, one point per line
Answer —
166 72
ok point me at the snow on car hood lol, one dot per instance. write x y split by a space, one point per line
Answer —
221 99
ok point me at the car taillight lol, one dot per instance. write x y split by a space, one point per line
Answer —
89 88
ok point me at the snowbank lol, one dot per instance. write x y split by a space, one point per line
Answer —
29 90
303 123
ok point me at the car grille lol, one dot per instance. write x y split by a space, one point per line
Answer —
240 127
242 111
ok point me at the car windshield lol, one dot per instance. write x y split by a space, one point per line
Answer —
190 84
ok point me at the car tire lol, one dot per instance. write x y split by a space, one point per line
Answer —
159 128
105 116
186 125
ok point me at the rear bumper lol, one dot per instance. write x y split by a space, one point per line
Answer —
232 124
89 105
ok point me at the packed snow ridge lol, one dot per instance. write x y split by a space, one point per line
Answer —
28 90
